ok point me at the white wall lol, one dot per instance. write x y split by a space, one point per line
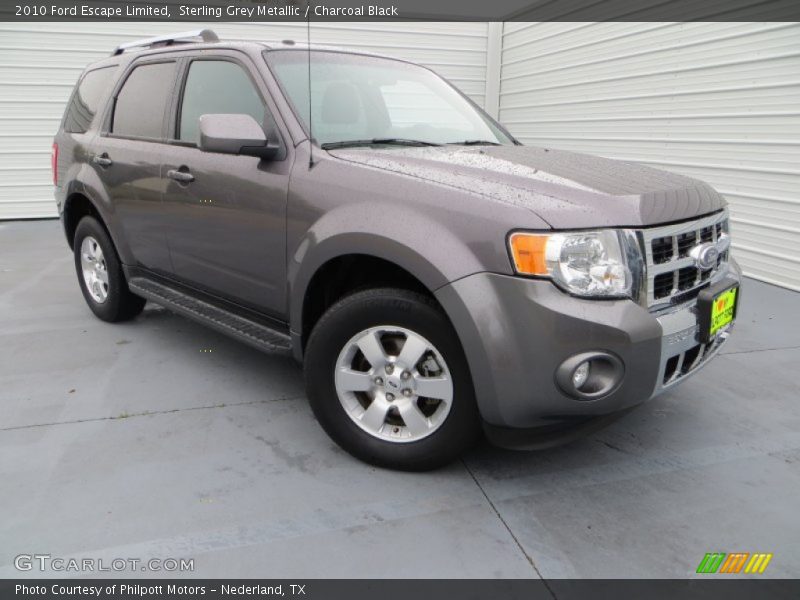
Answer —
40 62
717 101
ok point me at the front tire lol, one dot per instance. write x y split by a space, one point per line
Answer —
100 274
388 380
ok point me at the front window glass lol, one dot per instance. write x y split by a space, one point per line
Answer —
217 87
356 97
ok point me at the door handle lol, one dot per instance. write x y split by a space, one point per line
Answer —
180 176
102 160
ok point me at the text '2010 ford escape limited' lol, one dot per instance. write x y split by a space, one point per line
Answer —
436 277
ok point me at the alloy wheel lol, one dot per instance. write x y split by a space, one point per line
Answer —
394 384
95 271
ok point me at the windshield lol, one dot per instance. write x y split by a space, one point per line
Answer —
366 99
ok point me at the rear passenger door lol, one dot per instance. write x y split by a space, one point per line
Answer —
127 157
227 222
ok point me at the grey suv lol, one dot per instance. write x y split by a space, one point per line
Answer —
437 278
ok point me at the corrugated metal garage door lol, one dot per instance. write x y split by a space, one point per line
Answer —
714 100
40 62
718 101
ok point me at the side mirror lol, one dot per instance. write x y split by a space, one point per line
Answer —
235 134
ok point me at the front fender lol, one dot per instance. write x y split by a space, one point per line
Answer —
412 241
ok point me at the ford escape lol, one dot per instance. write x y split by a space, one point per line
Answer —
437 278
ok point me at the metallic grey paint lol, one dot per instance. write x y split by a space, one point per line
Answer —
255 232
565 189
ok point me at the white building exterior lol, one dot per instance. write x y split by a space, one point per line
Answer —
718 101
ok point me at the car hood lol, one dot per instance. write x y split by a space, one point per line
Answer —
565 189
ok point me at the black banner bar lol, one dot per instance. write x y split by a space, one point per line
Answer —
390 10
732 588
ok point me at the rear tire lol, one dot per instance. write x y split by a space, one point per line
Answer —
404 403
100 274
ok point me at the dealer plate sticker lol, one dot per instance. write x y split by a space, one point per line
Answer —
722 310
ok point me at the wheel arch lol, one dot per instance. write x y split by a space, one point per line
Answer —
333 270
85 195
76 206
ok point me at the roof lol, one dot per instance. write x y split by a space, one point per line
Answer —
205 38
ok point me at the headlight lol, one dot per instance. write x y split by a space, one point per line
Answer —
604 264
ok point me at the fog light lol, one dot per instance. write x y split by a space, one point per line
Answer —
580 375
590 375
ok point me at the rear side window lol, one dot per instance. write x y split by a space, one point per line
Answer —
142 101
217 87
86 101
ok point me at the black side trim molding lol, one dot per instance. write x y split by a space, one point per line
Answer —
255 334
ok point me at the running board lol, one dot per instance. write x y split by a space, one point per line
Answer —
259 336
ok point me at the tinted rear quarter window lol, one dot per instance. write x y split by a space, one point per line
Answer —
217 87
143 100
86 100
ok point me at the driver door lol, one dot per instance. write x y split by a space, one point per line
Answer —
227 213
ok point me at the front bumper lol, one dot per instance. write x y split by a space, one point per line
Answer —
516 333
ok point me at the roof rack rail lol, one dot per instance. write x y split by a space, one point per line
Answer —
185 37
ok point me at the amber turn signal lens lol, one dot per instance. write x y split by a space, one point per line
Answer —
528 251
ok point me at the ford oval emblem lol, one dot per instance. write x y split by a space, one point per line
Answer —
705 256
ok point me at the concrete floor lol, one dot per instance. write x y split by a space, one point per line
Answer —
131 441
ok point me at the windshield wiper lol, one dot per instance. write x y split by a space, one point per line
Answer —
474 143
375 142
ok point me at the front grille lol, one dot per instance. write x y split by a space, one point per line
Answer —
683 363
690 358
687 277
672 275
663 285
663 250
686 241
